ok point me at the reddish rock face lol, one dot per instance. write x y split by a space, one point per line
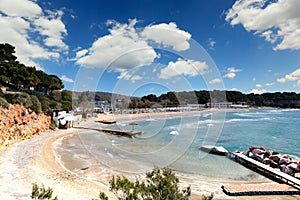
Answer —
18 122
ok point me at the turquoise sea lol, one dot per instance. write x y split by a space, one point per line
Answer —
175 142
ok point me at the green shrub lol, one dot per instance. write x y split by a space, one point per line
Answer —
66 105
39 193
36 105
161 184
3 103
53 125
210 197
22 99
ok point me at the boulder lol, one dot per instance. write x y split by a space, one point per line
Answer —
258 157
274 164
275 158
266 161
258 151
294 167
284 160
288 170
256 147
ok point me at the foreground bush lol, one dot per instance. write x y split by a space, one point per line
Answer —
39 193
160 184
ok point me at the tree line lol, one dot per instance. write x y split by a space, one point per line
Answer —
16 75
30 87
171 99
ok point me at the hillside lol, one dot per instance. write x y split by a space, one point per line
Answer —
18 123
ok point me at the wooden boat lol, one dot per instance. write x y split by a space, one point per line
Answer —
219 150
106 121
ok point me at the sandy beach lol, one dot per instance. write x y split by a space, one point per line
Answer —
35 161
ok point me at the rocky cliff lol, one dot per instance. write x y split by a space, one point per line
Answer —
18 123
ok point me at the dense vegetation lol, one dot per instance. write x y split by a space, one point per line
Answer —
277 99
30 87
160 184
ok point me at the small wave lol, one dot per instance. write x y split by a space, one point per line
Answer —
210 125
248 120
210 121
174 133
207 114
150 120
290 110
172 128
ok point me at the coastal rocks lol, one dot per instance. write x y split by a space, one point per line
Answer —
18 122
284 163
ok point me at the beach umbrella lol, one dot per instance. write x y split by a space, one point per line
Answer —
133 124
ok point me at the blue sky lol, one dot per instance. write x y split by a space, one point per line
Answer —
140 47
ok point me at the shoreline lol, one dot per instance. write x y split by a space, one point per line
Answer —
35 161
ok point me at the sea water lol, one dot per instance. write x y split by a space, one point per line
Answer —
174 142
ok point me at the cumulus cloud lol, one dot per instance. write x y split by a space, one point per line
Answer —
215 81
277 21
294 76
36 34
81 53
20 8
183 67
66 79
169 35
258 85
120 50
231 72
53 30
128 47
127 76
258 91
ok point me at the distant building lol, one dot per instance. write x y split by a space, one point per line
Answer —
227 105
219 105
196 106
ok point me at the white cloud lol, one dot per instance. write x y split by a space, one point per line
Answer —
269 84
214 81
81 53
66 79
294 76
211 43
276 21
258 85
120 50
230 75
53 29
183 67
22 26
20 8
258 91
131 77
231 72
169 35
127 47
